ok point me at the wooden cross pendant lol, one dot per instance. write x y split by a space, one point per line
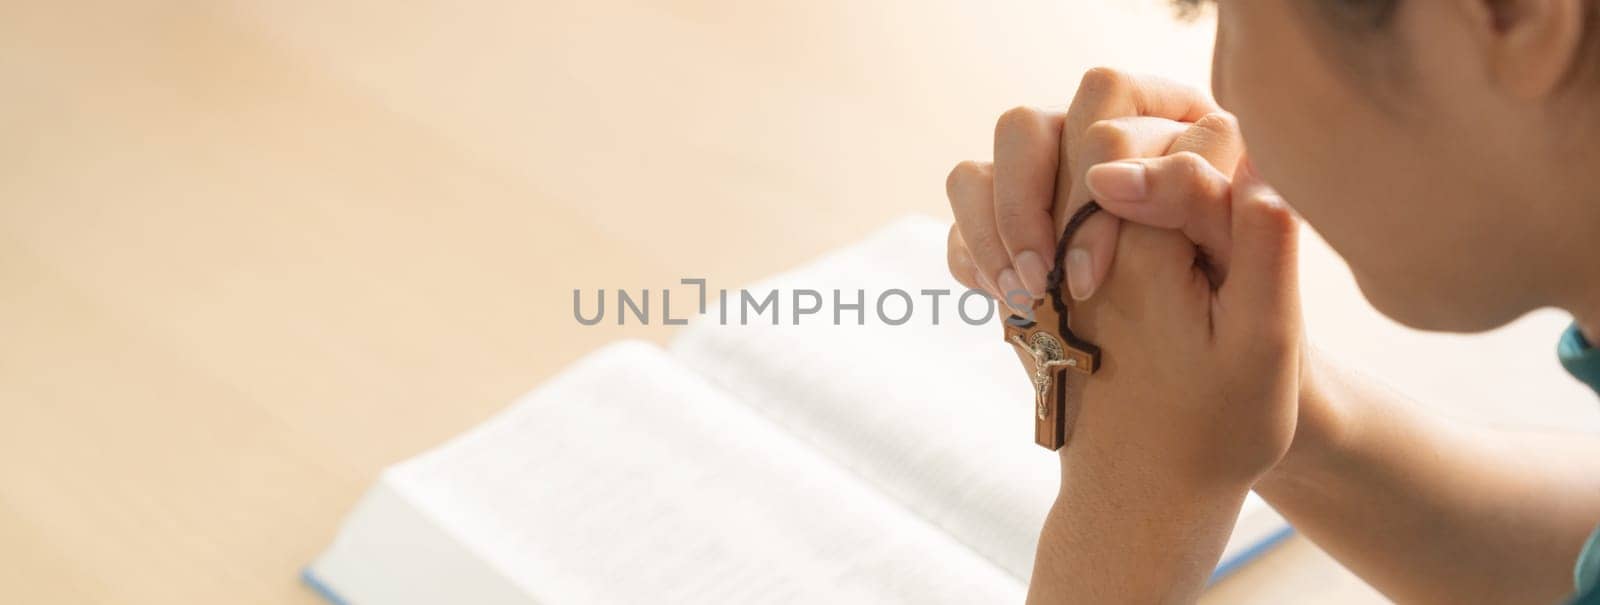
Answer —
1049 349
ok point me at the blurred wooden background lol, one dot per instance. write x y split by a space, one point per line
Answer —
252 252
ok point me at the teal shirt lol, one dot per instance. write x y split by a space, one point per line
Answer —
1579 357
1583 361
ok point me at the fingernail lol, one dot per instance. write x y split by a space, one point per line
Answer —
1034 273
1118 181
1012 292
1080 274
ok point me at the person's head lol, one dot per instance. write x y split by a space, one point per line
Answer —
1448 149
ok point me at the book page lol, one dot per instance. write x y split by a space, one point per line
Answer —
629 479
939 416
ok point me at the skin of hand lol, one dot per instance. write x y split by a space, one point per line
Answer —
1009 211
1195 400
1211 350
1192 493
1112 117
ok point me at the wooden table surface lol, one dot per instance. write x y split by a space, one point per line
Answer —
252 252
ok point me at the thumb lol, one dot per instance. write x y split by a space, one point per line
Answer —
1262 288
1179 191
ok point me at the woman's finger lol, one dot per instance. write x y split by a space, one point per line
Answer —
1107 93
1092 249
1026 158
970 188
1262 293
960 260
1179 191
1104 94
1216 137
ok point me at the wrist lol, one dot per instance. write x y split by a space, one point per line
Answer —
1325 420
1170 473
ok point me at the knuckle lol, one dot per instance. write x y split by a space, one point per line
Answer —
1106 130
1266 213
1102 81
1018 120
1190 167
1270 212
962 177
1193 174
1105 140
1220 122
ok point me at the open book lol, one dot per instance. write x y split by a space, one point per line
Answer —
862 462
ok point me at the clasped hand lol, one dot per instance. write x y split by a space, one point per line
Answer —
1188 280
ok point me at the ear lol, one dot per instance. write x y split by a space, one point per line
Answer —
1532 43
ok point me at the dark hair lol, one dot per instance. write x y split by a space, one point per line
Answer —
1352 13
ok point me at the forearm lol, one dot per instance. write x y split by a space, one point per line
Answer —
1120 535
1431 510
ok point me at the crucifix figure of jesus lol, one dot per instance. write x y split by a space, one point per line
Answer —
1046 341
1045 362
1048 355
